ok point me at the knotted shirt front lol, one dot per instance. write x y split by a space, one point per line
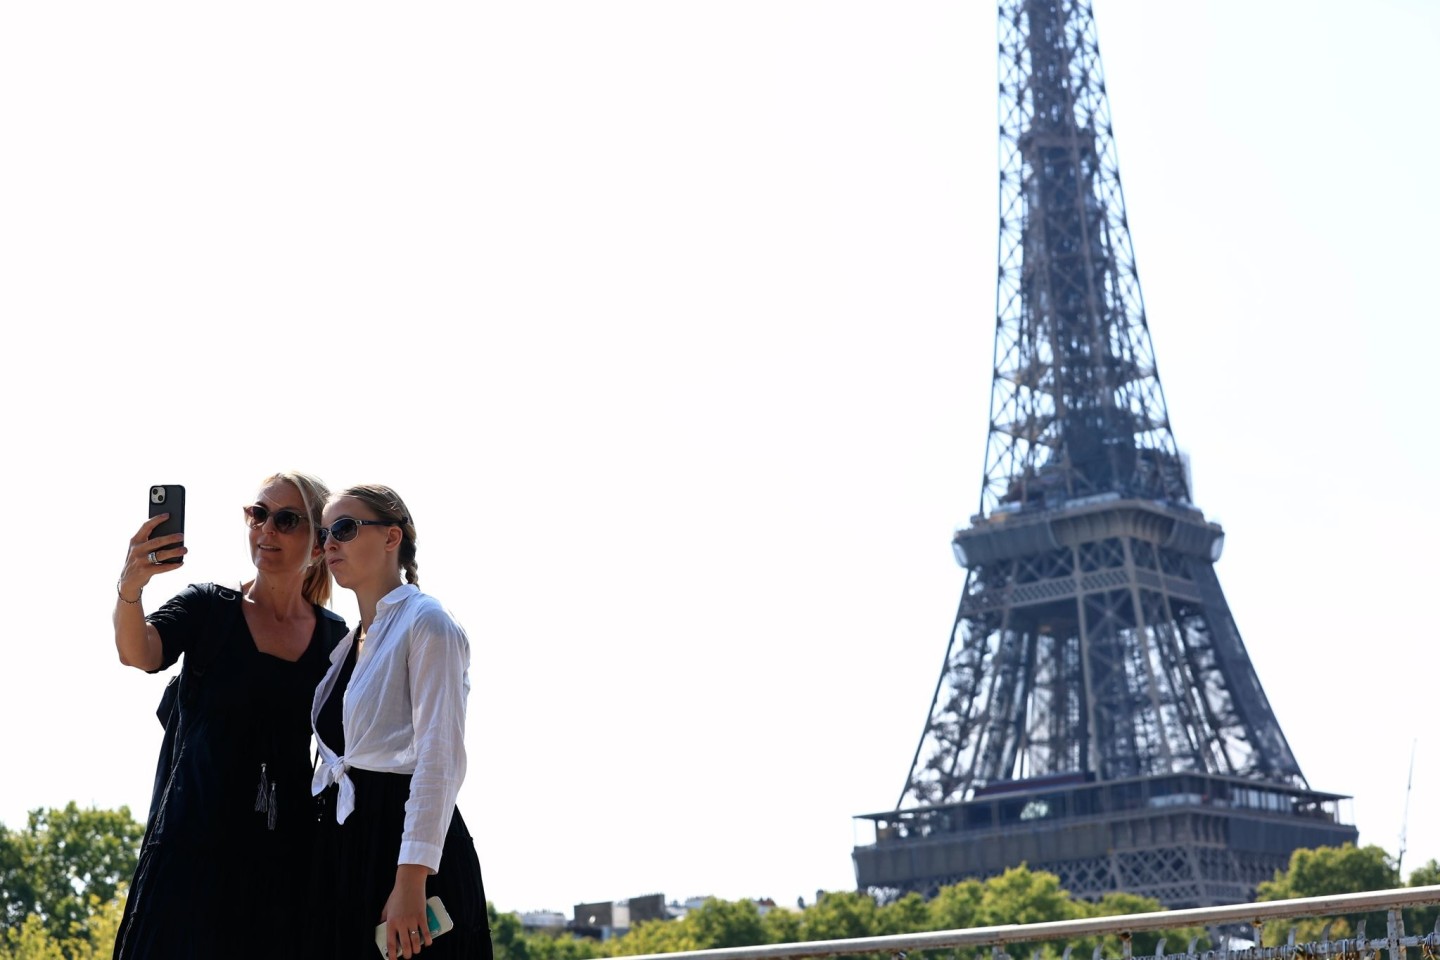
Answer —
403 712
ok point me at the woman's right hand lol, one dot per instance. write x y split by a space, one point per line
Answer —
137 642
144 558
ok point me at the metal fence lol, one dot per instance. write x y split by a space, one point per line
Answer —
1009 942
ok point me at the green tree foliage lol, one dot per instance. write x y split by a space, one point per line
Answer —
1022 895
655 936
1143 942
512 942
840 915
720 923
31 940
1323 871
1018 896
1427 875
714 924
845 915
17 886
61 880
1421 920
957 907
909 914
781 926
507 937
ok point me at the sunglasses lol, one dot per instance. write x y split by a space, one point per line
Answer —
348 528
286 520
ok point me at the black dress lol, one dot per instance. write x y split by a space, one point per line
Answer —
228 840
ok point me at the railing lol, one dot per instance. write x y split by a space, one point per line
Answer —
970 943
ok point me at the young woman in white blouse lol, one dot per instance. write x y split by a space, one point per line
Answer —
389 720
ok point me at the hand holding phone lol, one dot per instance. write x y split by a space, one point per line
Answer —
436 918
168 498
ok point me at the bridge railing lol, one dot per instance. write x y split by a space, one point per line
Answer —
1021 941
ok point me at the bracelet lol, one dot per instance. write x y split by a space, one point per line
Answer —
122 596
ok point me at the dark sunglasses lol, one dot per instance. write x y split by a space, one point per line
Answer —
286 520
348 528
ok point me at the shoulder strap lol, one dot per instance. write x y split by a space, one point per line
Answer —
223 608
337 628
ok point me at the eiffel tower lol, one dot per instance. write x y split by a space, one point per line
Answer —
1097 715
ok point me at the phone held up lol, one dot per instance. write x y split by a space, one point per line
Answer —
169 498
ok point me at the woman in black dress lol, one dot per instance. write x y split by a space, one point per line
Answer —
390 727
229 837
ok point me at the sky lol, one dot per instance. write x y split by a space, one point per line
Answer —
672 321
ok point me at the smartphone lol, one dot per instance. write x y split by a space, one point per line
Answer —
169 498
436 918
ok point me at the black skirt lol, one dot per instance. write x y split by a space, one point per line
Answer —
354 874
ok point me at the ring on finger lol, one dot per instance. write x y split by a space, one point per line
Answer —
151 557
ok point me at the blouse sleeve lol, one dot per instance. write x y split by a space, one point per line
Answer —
178 621
439 661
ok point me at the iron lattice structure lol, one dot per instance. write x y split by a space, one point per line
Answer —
1092 642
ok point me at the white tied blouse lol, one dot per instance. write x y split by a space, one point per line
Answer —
404 712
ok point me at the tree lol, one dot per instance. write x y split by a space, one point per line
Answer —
1018 896
721 923
909 914
957 907
1143 942
64 874
512 942
1324 871
17 886
507 936
656 936
1421 920
1022 895
715 923
32 941
781 926
840 915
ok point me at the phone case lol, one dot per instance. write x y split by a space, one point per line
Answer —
436 918
168 498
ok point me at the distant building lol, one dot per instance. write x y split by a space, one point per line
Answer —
546 920
678 909
605 919
614 918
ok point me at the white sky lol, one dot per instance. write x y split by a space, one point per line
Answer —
672 321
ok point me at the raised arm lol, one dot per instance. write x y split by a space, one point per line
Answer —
137 642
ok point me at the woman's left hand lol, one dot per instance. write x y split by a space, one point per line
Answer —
404 914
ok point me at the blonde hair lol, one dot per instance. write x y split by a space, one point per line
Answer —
313 493
387 503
